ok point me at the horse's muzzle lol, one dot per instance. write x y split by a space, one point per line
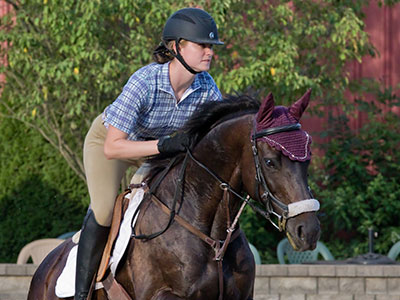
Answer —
303 231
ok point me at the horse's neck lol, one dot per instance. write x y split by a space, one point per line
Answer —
224 159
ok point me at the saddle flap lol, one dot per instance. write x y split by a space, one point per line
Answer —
120 206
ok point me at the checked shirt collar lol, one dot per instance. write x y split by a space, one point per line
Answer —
165 84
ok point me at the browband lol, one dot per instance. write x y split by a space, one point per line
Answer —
274 130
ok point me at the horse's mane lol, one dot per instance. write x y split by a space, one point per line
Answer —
209 115
213 113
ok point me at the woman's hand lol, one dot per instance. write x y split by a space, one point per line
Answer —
176 142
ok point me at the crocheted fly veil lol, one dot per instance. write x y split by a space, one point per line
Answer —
293 144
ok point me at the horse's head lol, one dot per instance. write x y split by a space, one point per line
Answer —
281 152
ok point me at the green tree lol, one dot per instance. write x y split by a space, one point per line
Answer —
40 197
67 60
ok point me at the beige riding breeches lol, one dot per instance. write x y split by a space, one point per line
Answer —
104 175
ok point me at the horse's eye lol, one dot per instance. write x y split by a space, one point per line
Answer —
269 163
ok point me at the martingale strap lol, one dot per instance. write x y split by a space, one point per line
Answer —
210 241
219 250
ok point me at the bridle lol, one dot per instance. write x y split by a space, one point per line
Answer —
288 211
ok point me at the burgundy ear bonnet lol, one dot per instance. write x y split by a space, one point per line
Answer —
293 144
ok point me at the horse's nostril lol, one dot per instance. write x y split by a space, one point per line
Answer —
300 232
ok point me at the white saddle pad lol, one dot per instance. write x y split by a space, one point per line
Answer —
65 286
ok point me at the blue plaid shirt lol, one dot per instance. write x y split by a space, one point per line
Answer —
147 109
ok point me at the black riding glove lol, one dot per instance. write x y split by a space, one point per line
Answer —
176 142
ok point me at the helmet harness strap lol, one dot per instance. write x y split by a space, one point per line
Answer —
179 56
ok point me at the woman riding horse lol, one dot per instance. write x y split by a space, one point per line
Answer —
155 102
239 147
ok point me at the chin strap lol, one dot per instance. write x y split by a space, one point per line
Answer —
179 57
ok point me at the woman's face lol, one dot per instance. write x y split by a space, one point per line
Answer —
197 56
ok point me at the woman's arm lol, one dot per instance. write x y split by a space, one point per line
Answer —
116 145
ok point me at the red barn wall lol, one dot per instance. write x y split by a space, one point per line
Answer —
383 27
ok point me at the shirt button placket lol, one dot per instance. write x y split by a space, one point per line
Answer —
173 115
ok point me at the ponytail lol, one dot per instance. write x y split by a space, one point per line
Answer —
162 54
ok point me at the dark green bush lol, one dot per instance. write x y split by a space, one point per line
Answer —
358 181
40 196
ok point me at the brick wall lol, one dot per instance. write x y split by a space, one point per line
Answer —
273 282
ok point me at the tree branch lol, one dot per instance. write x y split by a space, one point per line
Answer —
71 159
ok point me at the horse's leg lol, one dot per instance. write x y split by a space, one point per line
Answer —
239 270
167 295
251 296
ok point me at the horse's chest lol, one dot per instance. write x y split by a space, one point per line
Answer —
205 283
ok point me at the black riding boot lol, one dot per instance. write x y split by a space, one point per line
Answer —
90 250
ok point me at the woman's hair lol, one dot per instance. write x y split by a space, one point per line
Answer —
162 53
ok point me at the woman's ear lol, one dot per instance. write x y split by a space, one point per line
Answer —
174 46
180 45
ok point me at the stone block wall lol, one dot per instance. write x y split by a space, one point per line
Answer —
15 281
323 282
273 282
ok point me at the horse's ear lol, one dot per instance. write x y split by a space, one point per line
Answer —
297 108
264 115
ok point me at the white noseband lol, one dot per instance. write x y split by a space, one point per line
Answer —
302 206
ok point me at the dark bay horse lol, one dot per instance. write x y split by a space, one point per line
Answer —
239 147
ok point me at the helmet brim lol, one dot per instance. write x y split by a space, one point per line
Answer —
213 42
197 41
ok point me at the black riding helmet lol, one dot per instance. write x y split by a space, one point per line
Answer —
192 24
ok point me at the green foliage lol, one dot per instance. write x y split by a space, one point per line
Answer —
288 47
359 180
67 60
40 197
388 2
